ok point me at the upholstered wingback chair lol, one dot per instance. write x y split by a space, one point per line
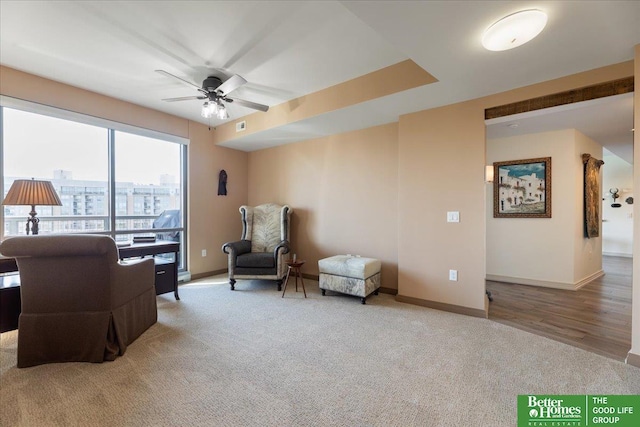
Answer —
263 249
78 302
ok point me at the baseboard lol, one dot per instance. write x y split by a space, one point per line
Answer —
618 254
207 274
546 283
589 279
633 359
475 312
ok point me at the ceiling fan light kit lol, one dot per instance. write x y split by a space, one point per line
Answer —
215 92
210 109
514 30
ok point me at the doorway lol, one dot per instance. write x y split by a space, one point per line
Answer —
597 316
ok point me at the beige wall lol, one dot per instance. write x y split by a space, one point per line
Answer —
343 192
212 219
552 251
634 354
441 168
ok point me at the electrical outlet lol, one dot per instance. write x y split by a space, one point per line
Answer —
204 252
453 275
453 216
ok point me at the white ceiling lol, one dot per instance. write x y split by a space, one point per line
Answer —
287 49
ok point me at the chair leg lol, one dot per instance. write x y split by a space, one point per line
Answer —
232 282
279 282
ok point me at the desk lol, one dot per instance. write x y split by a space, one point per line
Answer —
166 270
166 278
9 295
10 302
295 266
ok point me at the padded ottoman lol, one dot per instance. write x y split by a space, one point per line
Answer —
351 275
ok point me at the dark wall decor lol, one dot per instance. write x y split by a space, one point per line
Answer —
222 183
591 195
522 188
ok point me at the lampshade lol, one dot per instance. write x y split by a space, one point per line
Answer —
31 192
488 173
514 30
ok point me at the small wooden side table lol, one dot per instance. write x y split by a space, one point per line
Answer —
295 266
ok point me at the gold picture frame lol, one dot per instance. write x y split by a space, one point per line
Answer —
522 188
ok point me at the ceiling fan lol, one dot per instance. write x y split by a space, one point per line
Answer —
215 92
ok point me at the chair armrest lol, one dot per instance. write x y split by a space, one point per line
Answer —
237 248
282 247
130 279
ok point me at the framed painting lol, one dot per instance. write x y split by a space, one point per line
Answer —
522 188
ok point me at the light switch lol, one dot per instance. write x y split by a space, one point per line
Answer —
453 216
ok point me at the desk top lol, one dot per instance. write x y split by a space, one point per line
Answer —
8 265
148 248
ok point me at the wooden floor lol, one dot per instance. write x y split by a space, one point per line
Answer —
596 317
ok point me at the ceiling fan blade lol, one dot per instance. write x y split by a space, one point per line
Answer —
249 104
232 83
188 83
184 98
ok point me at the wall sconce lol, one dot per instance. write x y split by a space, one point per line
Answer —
488 173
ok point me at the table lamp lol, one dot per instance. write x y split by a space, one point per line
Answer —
31 192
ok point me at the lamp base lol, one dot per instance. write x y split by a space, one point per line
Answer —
34 222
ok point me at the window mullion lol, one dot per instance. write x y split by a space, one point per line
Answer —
112 182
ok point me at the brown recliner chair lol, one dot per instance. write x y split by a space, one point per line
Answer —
78 302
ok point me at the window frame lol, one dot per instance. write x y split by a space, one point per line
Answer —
111 127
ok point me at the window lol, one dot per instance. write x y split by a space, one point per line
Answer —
120 182
73 156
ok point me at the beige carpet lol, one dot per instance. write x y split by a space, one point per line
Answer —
251 358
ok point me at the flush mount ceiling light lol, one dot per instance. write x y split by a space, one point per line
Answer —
514 30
